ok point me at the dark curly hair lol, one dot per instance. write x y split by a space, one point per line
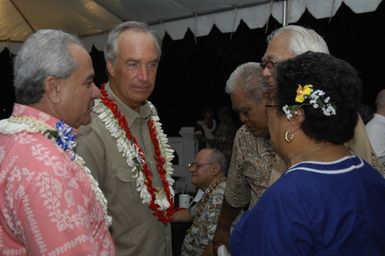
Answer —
337 78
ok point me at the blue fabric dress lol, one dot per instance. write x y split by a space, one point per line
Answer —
334 208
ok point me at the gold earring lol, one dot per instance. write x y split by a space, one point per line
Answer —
289 136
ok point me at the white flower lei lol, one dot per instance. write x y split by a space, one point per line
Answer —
14 125
131 152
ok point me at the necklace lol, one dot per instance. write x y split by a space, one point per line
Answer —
160 201
63 137
306 153
201 204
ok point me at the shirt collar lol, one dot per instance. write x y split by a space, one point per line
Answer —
25 110
131 115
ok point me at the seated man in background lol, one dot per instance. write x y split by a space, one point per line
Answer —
376 127
207 173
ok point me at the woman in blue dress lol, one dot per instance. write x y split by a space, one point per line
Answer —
329 201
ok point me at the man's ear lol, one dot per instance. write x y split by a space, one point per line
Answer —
52 88
216 170
110 68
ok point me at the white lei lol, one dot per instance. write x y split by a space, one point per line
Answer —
131 152
15 125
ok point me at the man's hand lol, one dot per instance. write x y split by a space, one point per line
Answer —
208 251
220 237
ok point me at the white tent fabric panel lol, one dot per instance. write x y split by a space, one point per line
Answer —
92 19
362 6
19 18
256 16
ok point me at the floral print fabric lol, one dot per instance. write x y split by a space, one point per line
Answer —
201 232
47 203
250 169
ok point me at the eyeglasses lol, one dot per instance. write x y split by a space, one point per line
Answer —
198 165
269 64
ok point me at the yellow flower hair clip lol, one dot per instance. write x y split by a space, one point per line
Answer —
303 92
307 96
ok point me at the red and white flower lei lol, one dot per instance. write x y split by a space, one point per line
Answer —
161 202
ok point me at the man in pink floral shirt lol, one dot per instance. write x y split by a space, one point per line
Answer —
50 204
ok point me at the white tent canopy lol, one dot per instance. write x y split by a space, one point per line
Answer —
92 19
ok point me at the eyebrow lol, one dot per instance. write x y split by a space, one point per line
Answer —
90 77
157 59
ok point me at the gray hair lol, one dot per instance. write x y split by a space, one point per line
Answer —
218 156
111 49
44 54
301 39
249 77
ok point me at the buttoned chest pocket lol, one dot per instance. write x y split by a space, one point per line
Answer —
123 186
125 174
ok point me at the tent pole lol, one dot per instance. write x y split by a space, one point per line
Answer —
284 13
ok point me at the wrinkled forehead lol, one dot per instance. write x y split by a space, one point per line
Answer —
279 48
203 154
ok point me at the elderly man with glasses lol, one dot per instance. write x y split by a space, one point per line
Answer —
208 174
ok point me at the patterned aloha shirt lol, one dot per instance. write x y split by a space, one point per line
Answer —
205 217
48 206
250 169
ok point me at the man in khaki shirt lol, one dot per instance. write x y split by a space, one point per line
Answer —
126 149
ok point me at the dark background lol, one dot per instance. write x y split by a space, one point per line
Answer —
193 71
